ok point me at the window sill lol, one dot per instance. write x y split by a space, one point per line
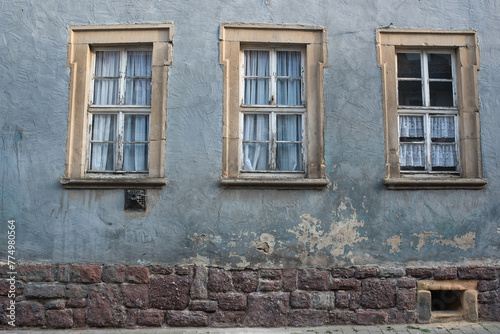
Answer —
420 183
275 183
113 183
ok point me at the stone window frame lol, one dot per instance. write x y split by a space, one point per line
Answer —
234 37
465 46
81 40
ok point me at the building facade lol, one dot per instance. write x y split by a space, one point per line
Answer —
261 163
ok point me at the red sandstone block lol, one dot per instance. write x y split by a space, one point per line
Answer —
289 280
377 294
341 317
76 291
161 270
266 285
187 319
421 273
86 273
58 304
79 318
245 280
232 301
184 270
406 283
365 273
369 317
343 272
446 273
303 318
270 274
314 279
44 290
135 295
406 299
76 303
483 273
203 305
345 284
30 313
226 319
150 318
342 299
59 318
105 308
169 292
219 280
300 299
114 274
131 320
36 272
138 274
487 285
267 309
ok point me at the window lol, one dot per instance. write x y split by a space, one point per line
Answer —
431 109
273 106
117 107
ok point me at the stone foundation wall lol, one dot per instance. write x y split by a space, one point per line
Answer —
79 296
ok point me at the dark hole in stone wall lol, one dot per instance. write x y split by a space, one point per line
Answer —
446 300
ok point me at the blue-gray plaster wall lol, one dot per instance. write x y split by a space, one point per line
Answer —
355 221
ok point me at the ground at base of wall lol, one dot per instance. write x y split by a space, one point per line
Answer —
80 296
449 328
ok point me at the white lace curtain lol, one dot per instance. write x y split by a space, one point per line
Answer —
256 142
288 85
135 127
443 149
256 77
289 146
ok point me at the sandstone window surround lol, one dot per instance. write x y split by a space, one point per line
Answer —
85 43
452 98
257 118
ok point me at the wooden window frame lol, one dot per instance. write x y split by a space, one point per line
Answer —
466 52
234 39
82 42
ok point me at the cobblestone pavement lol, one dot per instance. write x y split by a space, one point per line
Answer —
448 328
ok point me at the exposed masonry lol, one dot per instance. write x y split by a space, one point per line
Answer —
79 296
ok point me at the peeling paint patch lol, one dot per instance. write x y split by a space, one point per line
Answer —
464 242
243 260
265 244
394 242
341 233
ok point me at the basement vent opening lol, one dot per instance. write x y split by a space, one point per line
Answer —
440 301
135 199
446 300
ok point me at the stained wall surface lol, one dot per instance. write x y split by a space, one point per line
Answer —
354 221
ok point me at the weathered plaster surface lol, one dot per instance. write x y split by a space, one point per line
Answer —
355 221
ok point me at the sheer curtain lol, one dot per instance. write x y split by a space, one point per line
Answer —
103 142
443 137
138 80
106 77
135 147
289 83
289 146
255 142
256 77
411 128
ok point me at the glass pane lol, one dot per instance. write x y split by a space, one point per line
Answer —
257 88
288 157
289 92
409 65
412 156
444 157
410 93
107 72
136 128
289 64
289 127
138 91
441 94
439 66
256 91
102 156
103 127
135 157
443 128
411 128
255 142
255 127
255 156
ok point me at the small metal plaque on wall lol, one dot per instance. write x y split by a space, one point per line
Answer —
135 199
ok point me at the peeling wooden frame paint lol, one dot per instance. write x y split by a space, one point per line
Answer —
465 47
81 41
233 39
